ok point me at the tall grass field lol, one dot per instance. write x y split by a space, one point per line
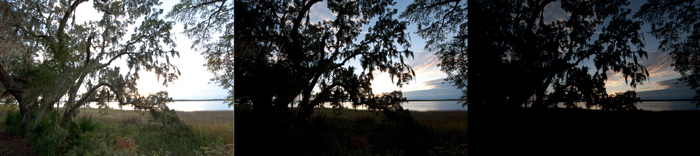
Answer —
129 132
341 131
356 132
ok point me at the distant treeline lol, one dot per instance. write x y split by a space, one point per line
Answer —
669 100
1 102
433 99
199 99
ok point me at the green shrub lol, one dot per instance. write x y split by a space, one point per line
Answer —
92 143
217 149
81 125
170 120
49 141
49 138
126 146
12 122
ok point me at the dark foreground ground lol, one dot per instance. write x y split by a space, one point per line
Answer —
11 144
354 132
574 132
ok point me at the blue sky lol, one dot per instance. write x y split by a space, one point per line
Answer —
661 84
428 84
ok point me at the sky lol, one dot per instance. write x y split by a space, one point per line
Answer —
429 80
194 83
429 84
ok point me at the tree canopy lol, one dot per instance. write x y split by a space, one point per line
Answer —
518 53
47 56
279 55
676 23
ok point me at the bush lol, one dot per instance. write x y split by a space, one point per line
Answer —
83 125
49 139
92 143
218 149
126 146
76 139
170 120
399 116
12 122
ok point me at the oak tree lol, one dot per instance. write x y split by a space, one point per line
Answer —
53 56
518 51
278 55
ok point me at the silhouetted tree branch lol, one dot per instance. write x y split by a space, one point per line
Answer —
676 23
518 56
280 55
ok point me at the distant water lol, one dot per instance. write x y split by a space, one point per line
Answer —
199 106
182 106
666 105
413 106
417 106
654 106
452 105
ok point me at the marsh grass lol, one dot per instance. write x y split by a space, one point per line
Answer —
214 124
207 129
452 122
443 121
362 132
348 114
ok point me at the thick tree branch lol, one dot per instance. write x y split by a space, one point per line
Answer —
323 93
87 49
205 3
9 83
74 90
444 17
297 21
87 98
114 58
442 3
355 53
124 52
90 91
221 7
66 15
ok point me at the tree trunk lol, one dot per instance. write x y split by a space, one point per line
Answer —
303 113
539 102
25 110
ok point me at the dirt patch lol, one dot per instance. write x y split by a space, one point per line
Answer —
11 144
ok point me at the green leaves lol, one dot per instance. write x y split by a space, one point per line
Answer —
59 57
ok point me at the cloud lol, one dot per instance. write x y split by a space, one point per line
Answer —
438 90
671 84
320 12
425 66
615 79
659 67
672 89
424 60
659 64
439 84
554 12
